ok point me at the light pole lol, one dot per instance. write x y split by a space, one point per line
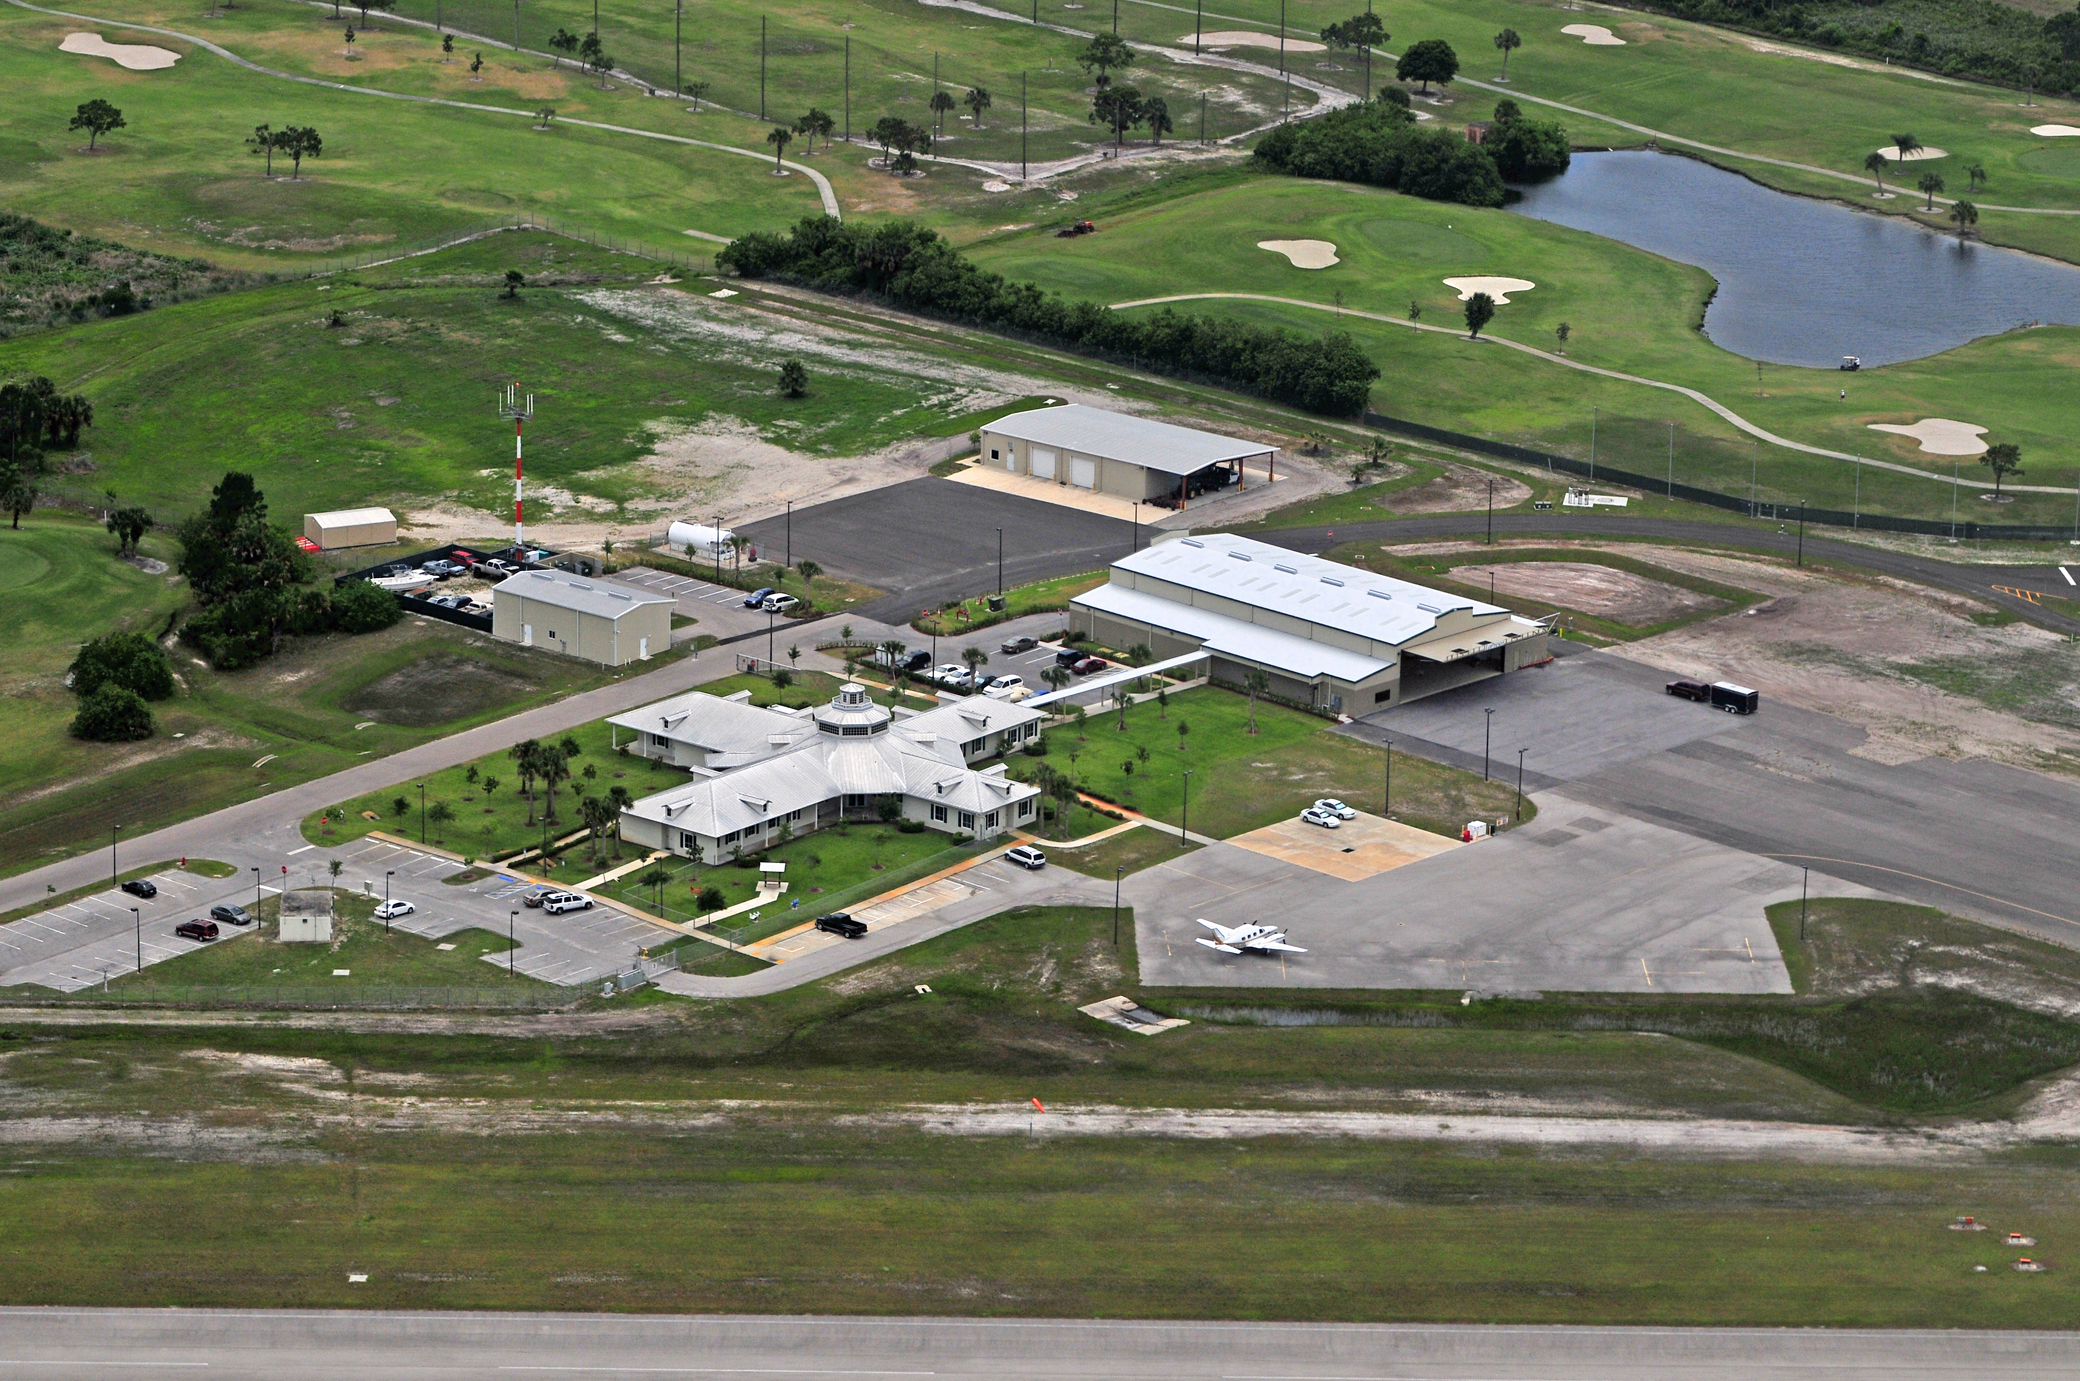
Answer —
113 831
1805 876
1491 513
391 873
1184 828
256 894
790 540
1137 523
422 812
138 921
1387 806
1801 532
1000 563
1520 783
770 616
511 917
1487 736
1117 873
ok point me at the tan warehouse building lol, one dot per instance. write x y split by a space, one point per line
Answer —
350 527
597 620
1132 458
1326 634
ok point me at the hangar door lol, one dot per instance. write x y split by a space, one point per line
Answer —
1082 472
1043 463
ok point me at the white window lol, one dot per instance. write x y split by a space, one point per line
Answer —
939 814
1025 808
993 454
989 821
967 819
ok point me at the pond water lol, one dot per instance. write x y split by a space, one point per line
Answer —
1801 281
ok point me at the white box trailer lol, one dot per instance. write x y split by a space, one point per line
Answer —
351 527
701 542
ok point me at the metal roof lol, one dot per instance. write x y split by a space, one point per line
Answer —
1140 441
1232 637
1301 587
606 598
352 517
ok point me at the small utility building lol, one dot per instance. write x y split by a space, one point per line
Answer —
599 620
1133 458
1326 634
351 527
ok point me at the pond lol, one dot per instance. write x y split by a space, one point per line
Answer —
1801 281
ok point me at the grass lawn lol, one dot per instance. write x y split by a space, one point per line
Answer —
1132 851
1630 311
1039 597
825 869
322 705
1242 781
255 958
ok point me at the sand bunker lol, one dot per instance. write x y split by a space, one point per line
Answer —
1248 38
1939 436
1305 254
1595 35
1497 288
2055 131
1892 152
138 57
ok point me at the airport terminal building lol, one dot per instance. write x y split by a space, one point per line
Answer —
1328 635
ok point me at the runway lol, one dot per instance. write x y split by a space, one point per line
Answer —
68 1344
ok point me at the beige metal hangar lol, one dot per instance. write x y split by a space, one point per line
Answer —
1133 458
351 527
598 620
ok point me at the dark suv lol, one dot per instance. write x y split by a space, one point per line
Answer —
1690 690
141 887
838 923
196 930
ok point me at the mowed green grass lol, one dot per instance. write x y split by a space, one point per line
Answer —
300 710
1629 311
180 179
1243 781
396 406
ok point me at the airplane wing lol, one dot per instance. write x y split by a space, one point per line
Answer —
1216 929
1224 949
1276 946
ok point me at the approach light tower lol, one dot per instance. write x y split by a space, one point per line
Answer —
512 405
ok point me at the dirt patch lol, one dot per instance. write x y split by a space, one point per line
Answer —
1460 489
435 690
1606 592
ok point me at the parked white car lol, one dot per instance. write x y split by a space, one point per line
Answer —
951 675
1027 857
389 910
1331 806
1001 688
1322 818
779 604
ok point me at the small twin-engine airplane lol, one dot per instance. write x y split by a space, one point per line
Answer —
1245 939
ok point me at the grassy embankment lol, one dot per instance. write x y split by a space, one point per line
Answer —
796 1204
323 705
1629 311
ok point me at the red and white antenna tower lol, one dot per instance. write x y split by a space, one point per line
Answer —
514 406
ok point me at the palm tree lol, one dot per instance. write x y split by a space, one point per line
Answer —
1931 183
1257 683
1056 677
977 100
809 571
1122 698
894 650
1875 163
1507 40
620 799
1906 144
976 659
526 756
780 136
599 816
737 542
1966 215
942 101
1976 175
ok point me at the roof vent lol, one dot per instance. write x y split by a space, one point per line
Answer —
1332 580
616 594
1192 541
1241 556
1379 594
1428 608
541 575
579 585
1289 570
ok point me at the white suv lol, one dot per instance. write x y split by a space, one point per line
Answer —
569 901
1003 686
779 604
1027 857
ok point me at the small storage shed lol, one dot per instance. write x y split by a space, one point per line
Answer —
307 915
351 527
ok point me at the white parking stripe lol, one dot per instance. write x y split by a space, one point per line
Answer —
2068 575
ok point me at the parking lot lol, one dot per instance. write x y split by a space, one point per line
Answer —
84 943
718 609
576 947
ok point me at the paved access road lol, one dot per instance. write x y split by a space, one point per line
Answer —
264 1345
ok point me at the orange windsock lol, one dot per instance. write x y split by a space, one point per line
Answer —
1038 1106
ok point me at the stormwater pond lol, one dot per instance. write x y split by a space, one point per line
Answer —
1801 281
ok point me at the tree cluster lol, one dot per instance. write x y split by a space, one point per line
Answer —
900 143
293 142
113 676
34 417
913 268
1377 142
250 578
1526 150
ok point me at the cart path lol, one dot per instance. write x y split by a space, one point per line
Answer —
1704 399
823 185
